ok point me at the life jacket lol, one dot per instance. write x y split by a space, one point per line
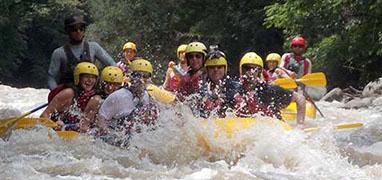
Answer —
219 99
173 82
247 104
299 61
67 65
266 76
190 84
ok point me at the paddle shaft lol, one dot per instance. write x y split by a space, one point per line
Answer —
311 100
28 113
35 109
338 126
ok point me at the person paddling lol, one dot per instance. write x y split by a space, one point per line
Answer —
258 97
296 61
272 60
218 90
130 105
78 102
111 80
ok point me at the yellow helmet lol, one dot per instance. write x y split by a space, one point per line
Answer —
181 48
196 47
141 65
84 68
250 58
273 57
221 61
130 45
112 74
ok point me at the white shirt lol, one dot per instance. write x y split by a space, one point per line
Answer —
120 104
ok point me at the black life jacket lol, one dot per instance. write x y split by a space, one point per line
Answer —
67 66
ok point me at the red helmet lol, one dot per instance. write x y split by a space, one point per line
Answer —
298 41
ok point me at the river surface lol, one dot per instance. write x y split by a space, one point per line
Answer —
173 151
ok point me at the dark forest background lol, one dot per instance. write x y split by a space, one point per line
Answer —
344 36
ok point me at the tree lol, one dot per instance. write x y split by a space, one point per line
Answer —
345 37
30 31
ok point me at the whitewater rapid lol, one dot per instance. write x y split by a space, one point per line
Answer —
172 150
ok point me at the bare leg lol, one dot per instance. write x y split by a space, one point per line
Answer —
300 101
59 103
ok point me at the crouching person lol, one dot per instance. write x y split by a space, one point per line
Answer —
130 106
258 97
76 103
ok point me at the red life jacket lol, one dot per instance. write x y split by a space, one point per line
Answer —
72 119
174 83
266 75
190 84
291 58
248 105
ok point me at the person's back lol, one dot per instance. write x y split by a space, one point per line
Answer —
76 50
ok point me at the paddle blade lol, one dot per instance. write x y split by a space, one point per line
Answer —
338 126
286 83
313 79
31 122
160 95
65 134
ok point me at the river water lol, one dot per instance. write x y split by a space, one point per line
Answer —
173 151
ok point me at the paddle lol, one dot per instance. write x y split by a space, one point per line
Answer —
338 126
31 122
312 79
311 100
7 124
159 94
229 126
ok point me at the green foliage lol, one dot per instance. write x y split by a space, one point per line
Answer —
344 36
158 27
30 31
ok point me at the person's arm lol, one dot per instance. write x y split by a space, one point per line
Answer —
103 56
107 111
166 83
282 61
309 66
54 69
300 101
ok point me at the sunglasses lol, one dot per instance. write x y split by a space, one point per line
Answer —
298 46
75 29
191 56
251 68
139 75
